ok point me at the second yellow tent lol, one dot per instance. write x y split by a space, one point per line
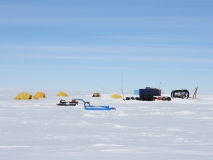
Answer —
39 95
63 94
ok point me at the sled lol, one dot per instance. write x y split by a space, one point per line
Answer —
87 106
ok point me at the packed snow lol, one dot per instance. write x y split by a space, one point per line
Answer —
39 129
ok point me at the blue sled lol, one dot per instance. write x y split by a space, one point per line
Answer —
87 106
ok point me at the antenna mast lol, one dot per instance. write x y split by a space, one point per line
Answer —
195 93
122 86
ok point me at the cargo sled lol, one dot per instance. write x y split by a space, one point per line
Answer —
87 106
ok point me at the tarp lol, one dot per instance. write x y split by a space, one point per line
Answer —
23 96
96 95
62 94
39 95
116 96
136 92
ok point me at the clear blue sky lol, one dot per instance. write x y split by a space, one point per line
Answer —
87 44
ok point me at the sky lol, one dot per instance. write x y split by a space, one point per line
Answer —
103 46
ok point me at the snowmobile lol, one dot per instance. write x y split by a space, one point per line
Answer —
69 103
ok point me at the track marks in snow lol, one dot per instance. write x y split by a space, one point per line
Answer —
84 123
150 134
12 146
123 114
185 113
205 117
112 148
119 126
157 113
93 115
174 129
106 145
118 150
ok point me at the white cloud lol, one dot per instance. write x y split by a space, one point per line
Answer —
174 22
100 68
109 49
150 53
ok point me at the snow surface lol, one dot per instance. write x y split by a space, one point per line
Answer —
39 129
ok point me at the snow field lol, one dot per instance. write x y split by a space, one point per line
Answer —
179 129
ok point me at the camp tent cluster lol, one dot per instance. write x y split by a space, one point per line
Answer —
27 96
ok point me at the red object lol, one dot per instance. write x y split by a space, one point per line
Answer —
159 98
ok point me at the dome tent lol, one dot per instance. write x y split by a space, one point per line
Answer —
96 95
23 96
63 94
116 96
39 95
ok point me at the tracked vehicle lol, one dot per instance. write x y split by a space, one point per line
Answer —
183 93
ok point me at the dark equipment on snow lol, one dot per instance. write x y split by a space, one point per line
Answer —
146 97
137 98
184 93
148 93
133 98
127 98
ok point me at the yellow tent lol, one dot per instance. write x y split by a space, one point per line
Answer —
62 94
96 95
23 96
39 95
116 96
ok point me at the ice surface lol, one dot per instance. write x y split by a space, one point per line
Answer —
39 129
